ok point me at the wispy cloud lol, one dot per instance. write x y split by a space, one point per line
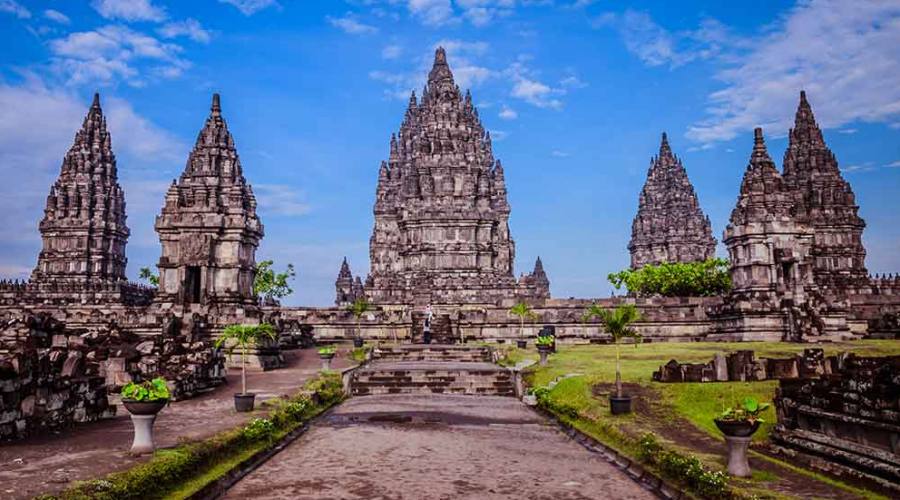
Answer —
350 24
190 28
14 8
129 10
556 153
250 7
392 51
57 16
281 199
111 53
507 113
853 80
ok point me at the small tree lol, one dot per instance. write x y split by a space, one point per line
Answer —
244 336
359 307
147 275
271 285
617 323
523 311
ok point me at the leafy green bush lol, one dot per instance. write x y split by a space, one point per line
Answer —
148 390
747 411
258 428
545 340
676 279
327 351
545 400
686 469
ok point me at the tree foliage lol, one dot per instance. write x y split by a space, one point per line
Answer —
617 323
271 285
359 307
676 279
147 275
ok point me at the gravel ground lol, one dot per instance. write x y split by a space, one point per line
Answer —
435 447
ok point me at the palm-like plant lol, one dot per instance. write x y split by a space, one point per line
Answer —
523 311
617 323
358 308
245 336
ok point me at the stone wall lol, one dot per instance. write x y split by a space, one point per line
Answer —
48 378
742 366
847 421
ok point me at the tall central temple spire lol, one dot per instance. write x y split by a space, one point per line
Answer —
441 213
669 225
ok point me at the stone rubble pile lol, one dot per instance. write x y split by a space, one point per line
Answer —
847 421
743 366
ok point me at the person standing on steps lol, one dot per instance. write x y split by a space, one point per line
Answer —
429 314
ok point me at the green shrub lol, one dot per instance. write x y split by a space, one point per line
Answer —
148 390
676 279
327 351
686 469
258 429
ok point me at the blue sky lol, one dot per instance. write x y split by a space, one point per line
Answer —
575 93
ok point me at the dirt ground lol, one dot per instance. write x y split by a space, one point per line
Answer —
436 447
49 463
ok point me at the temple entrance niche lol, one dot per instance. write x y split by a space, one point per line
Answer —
192 285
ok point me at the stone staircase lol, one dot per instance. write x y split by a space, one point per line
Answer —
441 328
432 369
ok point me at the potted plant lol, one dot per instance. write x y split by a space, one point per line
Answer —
523 311
359 307
544 345
327 354
244 336
144 400
738 423
617 323
741 420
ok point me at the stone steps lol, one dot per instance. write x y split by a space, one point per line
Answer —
433 353
469 378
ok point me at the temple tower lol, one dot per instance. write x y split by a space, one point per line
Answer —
347 289
441 230
208 227
825 200
669 225
83 229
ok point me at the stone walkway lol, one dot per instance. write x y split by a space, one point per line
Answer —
435 447
47 464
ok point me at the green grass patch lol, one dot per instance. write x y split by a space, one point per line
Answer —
573 401
181 471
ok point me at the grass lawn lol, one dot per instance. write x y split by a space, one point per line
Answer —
681 414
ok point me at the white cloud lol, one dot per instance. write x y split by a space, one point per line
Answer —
190 28
559 154
250 7
507 113
109 54
129 10
391 52
14 8
57 16
893 164
535 92
843 53
572 82
432 12
280 199
349 24
848 131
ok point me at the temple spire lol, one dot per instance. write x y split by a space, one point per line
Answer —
664 149
216 107
440 73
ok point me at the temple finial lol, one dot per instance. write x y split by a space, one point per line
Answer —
664 148
216 108
96 102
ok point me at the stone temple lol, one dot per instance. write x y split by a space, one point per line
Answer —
77 328
669 225
441 230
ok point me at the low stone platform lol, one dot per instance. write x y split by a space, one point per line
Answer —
436 447
433 369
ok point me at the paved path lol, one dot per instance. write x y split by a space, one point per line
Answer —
435 447
49 463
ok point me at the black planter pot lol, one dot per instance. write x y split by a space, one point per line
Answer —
522 344
620 406
358 342
737 428
326 356
144 407
244 402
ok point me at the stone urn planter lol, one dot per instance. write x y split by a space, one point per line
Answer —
738 434
544 351
522 344
620 405
143 416
326 354
244 402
